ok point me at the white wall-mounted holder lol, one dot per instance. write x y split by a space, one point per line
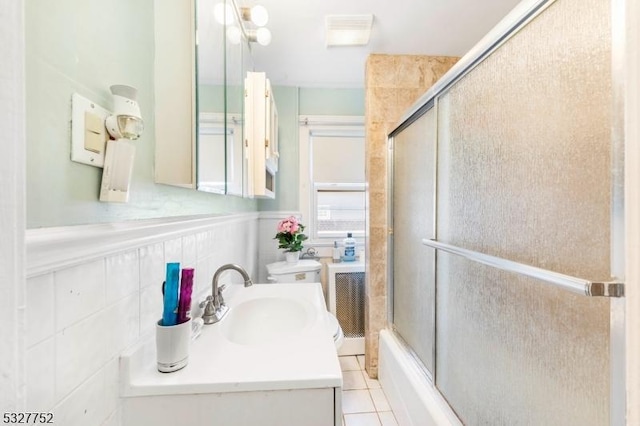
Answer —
88 133
124 125
118 168
92 145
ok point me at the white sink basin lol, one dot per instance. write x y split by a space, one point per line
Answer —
274 337
265 320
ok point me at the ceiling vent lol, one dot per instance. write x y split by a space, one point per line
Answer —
348 30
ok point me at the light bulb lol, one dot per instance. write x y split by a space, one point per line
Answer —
223 13
259 15
263 36
234 35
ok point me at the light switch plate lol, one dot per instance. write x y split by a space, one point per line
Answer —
81 109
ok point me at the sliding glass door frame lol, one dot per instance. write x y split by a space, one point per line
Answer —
523 14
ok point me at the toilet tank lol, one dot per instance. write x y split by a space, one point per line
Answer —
304 271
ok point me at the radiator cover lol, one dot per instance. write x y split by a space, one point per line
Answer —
346 301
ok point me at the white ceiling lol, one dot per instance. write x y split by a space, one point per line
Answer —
297 55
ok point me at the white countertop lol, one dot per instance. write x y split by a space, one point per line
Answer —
306 359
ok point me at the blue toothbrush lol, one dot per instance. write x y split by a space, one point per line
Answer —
170 313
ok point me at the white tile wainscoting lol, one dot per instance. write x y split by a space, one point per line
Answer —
93 291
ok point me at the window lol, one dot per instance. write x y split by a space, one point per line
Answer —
332 181
339 209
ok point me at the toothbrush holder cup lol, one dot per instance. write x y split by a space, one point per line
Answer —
172 346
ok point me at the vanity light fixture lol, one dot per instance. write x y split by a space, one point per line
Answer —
125 125
254 20
257 14
251 20
260 35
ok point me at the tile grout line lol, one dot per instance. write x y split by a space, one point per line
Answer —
368 388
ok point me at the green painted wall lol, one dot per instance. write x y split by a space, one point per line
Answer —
319 101
68 52
293 102
75 46
210 98
287 176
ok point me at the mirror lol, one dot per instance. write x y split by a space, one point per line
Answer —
223 59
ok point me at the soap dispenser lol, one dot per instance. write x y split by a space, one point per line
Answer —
336 253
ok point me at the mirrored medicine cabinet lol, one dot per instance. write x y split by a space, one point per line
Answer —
222 62
200 74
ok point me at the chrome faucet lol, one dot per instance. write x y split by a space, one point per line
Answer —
214 306
311 253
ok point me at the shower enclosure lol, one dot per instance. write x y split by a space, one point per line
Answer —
507 224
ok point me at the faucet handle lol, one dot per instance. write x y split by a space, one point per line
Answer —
208 305
219 296
209 313
206 301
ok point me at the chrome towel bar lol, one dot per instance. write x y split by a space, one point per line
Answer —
565 282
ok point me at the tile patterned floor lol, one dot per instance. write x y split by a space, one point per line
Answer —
363 401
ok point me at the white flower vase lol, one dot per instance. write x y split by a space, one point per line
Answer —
292 256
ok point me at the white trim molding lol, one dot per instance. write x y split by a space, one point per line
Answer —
276 214
331 120
12 208
49 249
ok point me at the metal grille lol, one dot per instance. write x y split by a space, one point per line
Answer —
350 303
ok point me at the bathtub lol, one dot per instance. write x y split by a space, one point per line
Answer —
413 398
238 373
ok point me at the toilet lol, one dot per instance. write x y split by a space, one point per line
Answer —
304 271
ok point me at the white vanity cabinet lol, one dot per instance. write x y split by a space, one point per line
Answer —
260 136
307 407
240 373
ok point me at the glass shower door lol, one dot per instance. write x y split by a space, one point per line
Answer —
414 216
525 175
512 170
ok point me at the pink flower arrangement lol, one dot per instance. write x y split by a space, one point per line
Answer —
290 236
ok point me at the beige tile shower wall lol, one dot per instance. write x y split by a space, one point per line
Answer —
392 84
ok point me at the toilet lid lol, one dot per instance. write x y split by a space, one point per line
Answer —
332 325
304 265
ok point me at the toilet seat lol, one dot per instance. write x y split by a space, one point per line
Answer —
333 326
305 271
